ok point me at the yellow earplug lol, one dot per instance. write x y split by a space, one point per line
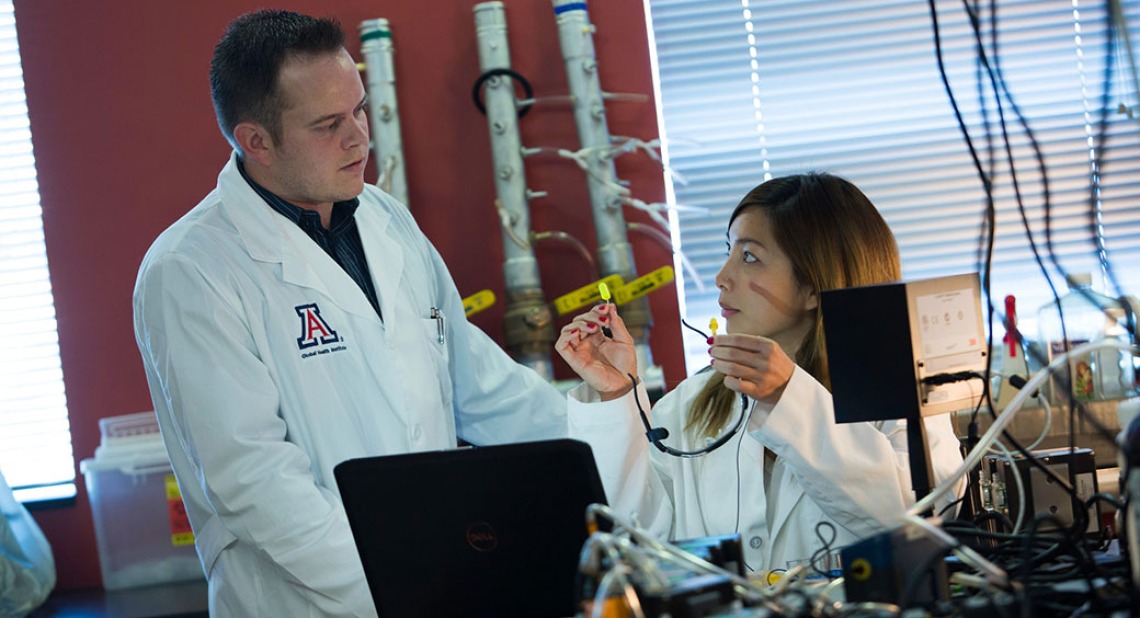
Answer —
713 326
604 292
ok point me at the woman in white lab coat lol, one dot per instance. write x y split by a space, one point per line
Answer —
791 466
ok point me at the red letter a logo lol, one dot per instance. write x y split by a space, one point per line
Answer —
314 329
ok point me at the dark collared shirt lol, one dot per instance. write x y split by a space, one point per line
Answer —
341 241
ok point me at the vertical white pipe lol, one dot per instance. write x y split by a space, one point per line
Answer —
528 323
383 111
615 255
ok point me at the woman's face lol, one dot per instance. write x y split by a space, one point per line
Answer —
759 293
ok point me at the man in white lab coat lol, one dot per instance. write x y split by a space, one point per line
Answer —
296 318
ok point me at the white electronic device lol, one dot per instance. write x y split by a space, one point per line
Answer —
905 349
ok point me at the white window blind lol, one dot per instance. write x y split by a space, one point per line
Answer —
35 439
751 89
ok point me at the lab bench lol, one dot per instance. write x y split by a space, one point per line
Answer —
176 600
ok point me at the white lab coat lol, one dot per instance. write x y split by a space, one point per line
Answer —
258 399
855 476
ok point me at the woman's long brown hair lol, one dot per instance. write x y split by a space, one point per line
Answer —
835 238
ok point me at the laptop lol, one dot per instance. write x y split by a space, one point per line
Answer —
475 531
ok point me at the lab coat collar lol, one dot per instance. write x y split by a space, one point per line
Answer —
270 237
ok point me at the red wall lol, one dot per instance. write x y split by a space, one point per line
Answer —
126 142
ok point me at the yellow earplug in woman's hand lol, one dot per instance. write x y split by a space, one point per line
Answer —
604 292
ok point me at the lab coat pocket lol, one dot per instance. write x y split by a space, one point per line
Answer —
435 337
435 334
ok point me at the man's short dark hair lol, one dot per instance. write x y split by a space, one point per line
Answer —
248 58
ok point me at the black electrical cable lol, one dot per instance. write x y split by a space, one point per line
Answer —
973 534
994 74
954 101
949 378
987 182
1000 89
1084 561
825 550
997 79
736 526
696 330
1050 560
1100 147
987 185
521 110
987 132
946 509
998 83
997 516
657 434
984 257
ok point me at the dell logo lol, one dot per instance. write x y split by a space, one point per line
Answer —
482 537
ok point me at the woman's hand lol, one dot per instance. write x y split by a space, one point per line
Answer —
604 363
753 365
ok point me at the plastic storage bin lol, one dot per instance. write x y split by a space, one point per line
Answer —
140 523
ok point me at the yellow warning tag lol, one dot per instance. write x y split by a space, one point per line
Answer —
643 285
477 302
180 533
585 295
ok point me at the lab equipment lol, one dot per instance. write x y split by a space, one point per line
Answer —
1040 494
929 352
1084 316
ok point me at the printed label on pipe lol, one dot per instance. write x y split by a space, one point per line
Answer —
477 302
585 295
643 285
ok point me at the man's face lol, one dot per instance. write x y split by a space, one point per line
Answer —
323 145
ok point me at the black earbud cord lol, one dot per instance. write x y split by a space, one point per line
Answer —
657 434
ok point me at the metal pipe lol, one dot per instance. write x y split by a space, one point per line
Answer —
528 322
383 112
615 255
